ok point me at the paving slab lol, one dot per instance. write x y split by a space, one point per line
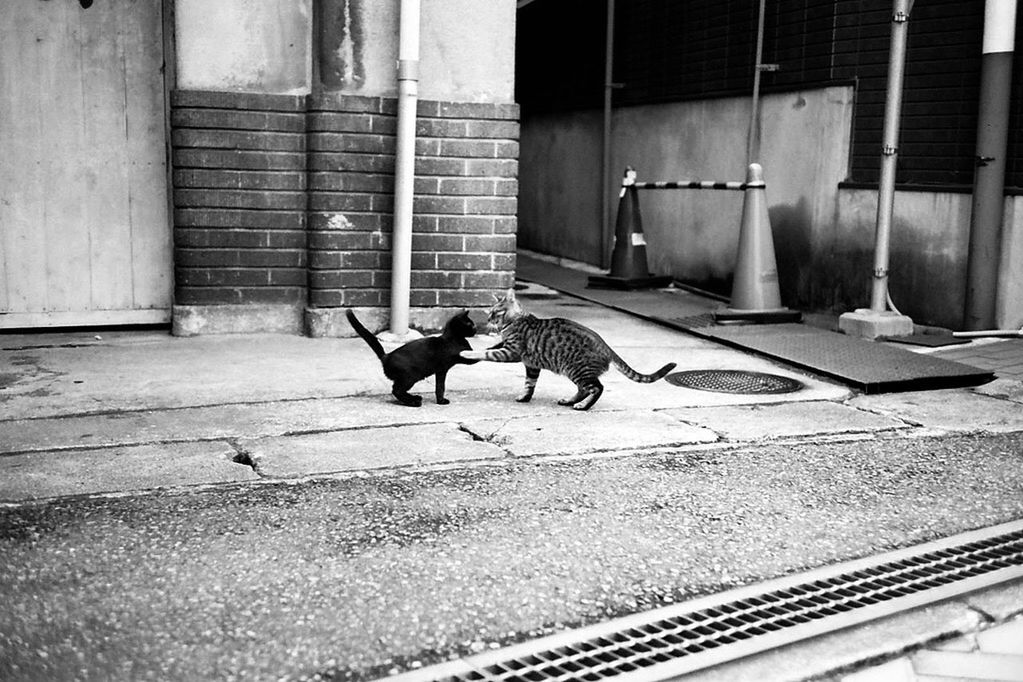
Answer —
245 420
50 474
1001 603
785 420
963 665
1006 389
575 432
74 373
985 651
1003 639
361 449
947 410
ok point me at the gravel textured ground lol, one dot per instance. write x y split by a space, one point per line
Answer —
356 577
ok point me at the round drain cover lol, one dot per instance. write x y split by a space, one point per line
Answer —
733 381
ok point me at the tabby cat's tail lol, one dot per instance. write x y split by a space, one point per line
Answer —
365 334
636 376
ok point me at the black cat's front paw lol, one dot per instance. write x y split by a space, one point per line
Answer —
443 401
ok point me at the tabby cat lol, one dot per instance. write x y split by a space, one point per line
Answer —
418 359
558 345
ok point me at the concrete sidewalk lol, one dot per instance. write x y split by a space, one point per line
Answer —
90 413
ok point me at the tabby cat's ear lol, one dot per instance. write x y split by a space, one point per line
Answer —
510 296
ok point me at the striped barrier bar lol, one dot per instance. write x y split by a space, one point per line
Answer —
697 184
630 181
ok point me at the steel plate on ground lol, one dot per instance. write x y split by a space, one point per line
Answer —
868 365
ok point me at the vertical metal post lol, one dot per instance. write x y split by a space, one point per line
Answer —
605 149
989 178
753 137
404 165
889 154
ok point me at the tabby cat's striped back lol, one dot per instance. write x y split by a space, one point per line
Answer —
557 345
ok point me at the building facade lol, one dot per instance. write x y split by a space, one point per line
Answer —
682 83
228 166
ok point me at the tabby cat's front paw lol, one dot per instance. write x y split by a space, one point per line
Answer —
473 354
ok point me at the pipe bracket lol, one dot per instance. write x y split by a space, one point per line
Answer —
408 69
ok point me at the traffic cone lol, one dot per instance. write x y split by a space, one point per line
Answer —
628 260
755 294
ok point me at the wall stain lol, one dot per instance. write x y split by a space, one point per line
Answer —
342 44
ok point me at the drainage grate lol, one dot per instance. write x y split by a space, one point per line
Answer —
686 637
734 381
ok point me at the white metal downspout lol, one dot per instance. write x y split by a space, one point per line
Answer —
404 165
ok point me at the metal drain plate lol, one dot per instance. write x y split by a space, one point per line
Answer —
734 381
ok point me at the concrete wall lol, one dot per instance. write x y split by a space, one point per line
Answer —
283 136
692 234
467 51
266 46
244 45
559 209
929 246
824 236
927 271
1009 311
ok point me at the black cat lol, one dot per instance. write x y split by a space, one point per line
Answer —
421 358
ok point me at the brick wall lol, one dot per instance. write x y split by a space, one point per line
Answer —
289 200
464 207
239 198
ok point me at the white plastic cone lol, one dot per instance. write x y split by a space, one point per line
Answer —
755 293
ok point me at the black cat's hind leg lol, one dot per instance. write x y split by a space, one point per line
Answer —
532 374
400 391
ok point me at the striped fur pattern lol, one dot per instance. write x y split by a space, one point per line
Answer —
557 345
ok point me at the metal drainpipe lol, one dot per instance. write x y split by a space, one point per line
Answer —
404 165
753 137
889 155
605 149
989 179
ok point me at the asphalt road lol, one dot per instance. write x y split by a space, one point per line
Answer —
352 578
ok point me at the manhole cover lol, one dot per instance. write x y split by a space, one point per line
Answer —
733 381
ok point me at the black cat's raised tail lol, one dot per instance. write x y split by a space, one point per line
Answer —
365 334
